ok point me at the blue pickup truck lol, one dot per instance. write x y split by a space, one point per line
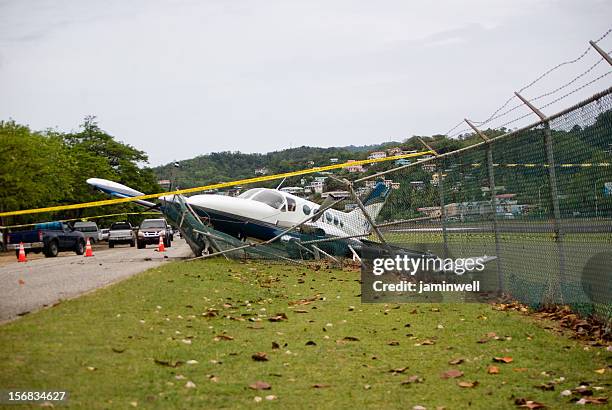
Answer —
49 238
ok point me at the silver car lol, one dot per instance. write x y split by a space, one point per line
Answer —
121 232
90 231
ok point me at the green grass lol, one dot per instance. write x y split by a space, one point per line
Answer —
104 331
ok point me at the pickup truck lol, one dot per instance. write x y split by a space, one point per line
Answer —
150 230
121 232
49 238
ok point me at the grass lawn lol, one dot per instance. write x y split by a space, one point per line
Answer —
131 345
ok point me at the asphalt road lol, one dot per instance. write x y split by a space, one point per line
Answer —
40 282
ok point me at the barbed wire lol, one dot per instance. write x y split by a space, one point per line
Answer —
547 94
496 114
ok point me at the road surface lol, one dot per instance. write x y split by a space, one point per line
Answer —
40 282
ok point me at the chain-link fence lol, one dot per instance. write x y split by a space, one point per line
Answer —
539 199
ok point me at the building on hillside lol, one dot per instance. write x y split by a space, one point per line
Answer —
164 183
377 155
294 190
261 171
354 168
394 151
435 178
370 183
429 167
418 185
336 194
333 160
401 162
317 186
320 179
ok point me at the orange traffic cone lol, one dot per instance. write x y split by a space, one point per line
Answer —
22 254
88 250
161 247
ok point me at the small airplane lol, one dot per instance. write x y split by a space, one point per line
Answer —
264 213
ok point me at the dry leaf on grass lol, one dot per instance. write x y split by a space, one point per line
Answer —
493 370
529 404
505 359
222 337
260 357
467 385
451 374
456 361
259 385
413 379
320 385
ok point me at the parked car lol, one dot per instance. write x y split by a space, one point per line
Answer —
151 229
90 230
104 234
49 238
121 232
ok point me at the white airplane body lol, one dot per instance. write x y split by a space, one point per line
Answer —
263 213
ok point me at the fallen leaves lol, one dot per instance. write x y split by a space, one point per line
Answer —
529 404
393 343
505 359
451 374
456 361
467 385
279 317
351 339
260 385
398 370
260 357
413 379
222 337
493 370
320 385
169 363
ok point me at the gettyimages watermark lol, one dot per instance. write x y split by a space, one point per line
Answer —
402 275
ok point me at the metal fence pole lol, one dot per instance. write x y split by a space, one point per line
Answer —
440 171
491 174
554 294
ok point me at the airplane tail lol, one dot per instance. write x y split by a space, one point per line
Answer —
373 203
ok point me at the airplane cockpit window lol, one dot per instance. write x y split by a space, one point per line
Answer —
272 198
306 209
336 220
291 204
248 194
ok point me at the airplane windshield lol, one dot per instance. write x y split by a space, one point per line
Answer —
274 199
249 193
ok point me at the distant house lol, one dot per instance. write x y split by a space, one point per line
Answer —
310 163
417 184
377 155
333 160
317 186
431 211
320 179
354 168
336 194
394 151
261 171
429 167
435 177
370 183
295 190
164 183
395 185
402 162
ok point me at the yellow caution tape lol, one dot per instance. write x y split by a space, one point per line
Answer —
213 186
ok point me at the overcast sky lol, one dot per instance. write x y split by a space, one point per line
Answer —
182 78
